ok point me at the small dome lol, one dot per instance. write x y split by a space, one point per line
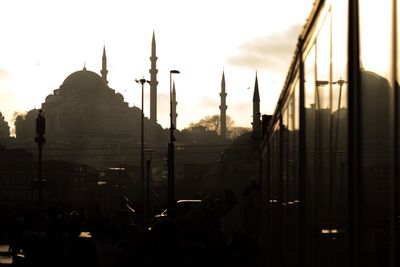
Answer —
53 99
119 96
136 109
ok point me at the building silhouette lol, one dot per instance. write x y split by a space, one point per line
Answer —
256 111
4 130
68 184
174 103
153 82
88 122
238 164
104 70
223 107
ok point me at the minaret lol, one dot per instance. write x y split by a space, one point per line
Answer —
256 111
223 108
104 70
174 104
153 82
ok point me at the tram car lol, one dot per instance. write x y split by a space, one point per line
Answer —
330 157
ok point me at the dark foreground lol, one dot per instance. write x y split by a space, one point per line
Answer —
74 241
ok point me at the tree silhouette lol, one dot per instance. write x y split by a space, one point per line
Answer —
237 131
212 124
4 128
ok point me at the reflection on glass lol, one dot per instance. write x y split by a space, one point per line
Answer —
397 164
339 133
326 141
376 35
291 184
274 215
309 79
377 128
286 166
310 201
323 124
296 119
323 64
294 181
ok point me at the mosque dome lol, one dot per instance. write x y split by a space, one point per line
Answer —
83 79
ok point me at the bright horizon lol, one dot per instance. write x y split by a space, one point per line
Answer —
45 41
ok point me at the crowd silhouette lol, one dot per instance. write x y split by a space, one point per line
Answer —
83 237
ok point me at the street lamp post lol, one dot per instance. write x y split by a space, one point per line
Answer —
142 82
171 187
148 171
40 140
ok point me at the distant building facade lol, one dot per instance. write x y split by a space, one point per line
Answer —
69 185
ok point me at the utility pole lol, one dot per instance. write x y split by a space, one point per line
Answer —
40 140
148 171
171 203
142 82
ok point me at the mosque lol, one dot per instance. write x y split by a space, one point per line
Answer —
85 118
93 137
88 122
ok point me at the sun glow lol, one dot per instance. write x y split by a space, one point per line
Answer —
45 41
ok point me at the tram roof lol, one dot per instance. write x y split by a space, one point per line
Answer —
307 29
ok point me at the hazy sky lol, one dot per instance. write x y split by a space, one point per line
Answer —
42 42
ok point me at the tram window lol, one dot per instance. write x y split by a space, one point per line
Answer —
296 129
291 163
292 227
323 65
310 201
339 133
377 112
323 115
397 88
322 138
284 155
274 215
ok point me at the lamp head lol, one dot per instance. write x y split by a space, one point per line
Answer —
174 71
142 81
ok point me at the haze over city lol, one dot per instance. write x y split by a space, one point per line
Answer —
45 41
269 134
